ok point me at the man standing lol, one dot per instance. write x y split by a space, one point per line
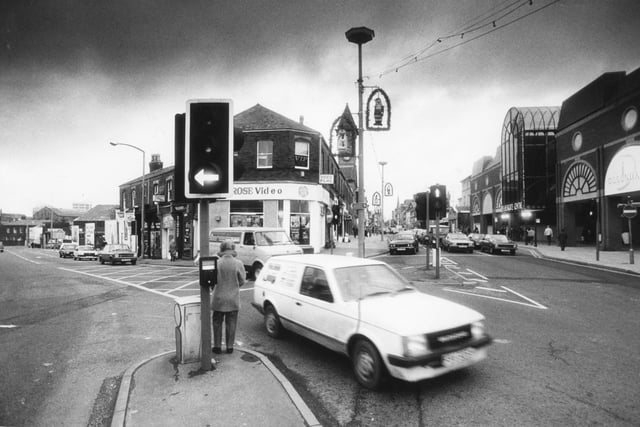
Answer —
549 234
226 296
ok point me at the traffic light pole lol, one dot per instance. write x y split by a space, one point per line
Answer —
427 227
205 297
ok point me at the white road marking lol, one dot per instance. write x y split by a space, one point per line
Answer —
8 326
119 281
491 289
26 259
530 304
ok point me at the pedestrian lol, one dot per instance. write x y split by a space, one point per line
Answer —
562 237
172 249
531 234
548 234
226 296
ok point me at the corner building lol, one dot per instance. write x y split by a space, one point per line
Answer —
598 144
276 180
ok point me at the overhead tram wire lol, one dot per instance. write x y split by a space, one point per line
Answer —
416 58
465 28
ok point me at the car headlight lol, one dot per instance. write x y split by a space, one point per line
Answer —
415 345
478 330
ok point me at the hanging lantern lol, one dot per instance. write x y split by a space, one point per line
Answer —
378 111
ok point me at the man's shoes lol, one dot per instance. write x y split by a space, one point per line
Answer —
216 350
230 350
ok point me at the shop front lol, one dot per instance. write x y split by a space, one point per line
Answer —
298 208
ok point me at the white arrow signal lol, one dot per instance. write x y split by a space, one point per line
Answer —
202 177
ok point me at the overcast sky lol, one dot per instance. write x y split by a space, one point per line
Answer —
76 74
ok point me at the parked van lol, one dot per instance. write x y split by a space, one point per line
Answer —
254 245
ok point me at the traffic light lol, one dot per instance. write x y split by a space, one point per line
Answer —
335 210
438 199
209 149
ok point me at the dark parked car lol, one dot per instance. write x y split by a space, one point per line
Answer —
67 249
475 238
498 243
404 241
457 242
117 253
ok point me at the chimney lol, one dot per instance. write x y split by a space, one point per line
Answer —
155 163
301 120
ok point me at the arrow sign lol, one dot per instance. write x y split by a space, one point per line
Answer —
202 177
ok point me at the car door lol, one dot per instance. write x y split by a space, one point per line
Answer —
320 313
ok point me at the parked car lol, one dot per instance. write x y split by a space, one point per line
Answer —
475 238
85 252
254 245
498 243
457 242
67 249
117 253
404 241
337 301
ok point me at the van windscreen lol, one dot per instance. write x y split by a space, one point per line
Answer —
272 238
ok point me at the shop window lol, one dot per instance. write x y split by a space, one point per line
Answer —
302 155
265 154
156 188
169 190
300 221
124 200
247 213
133 197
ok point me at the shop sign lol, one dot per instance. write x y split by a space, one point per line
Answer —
326 178
278 191
623 173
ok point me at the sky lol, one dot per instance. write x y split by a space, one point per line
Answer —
77 74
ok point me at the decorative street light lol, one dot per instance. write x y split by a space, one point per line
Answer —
382 202
142 198
360 36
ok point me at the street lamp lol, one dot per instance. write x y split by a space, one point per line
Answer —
382 202
360 36
142 198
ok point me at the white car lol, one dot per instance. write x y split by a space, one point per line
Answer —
364 309
85 252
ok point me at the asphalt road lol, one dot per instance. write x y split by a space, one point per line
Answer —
565 351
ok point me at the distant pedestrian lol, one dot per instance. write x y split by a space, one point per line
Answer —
226 296
172 250
562 237
548 234
531 233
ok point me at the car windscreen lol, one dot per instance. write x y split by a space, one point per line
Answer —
272 238
500 238
120 248
457 236
405 236
366 280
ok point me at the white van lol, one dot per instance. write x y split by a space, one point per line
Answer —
254 245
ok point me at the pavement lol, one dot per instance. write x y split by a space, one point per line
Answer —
245 388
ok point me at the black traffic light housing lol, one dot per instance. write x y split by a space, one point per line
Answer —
438 199
209 149
335 210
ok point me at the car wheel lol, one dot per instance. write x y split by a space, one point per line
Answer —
272 322
367 364
101 261
75 258
469 251
113 262
493 251
513 252
60 255
133 262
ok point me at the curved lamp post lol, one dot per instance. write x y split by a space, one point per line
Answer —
142 197
360 36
